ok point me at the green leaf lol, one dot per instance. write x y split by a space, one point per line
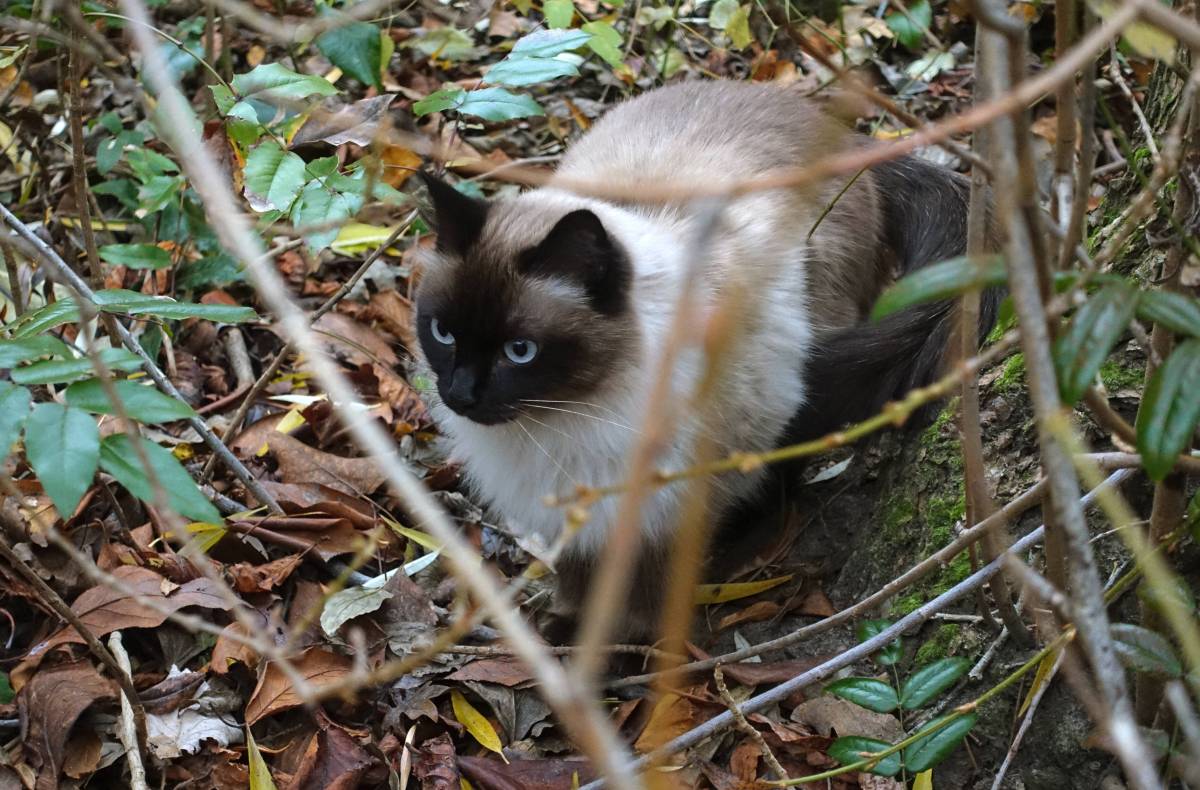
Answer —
1174 594
223 98
1079 352
274 83
870 693
851 749
888 655
6 690
62 445
447 43
320 206
1145 651
218 269
927 752
156 192
940 281
558 13
142 403
1170 410
721 12
605 42
527 71
738 28
169 309
46 317
910 29
118 458
1179 313
927 682
57 371
274 175
136 256
15 403
26 348
1148 40
355 49
548 43
323 167
439 101
497 104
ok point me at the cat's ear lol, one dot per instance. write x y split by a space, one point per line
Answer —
580 250
457 218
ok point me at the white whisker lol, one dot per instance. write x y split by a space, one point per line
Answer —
582 414
552 459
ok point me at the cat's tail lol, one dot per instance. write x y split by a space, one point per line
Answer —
853 372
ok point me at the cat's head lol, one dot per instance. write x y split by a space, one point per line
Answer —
523 303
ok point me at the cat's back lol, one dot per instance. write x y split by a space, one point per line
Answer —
703 129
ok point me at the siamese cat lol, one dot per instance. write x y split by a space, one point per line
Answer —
543 317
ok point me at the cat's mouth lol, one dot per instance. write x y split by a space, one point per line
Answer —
485 414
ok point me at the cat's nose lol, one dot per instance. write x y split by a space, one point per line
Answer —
461 394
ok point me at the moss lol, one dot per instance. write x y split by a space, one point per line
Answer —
1012 377
1117 375
938 645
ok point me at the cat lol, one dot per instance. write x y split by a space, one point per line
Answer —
542 316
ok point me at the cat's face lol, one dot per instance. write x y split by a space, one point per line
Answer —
512 314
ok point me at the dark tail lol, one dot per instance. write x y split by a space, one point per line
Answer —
855 371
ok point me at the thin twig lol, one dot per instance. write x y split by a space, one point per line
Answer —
128 728
777 771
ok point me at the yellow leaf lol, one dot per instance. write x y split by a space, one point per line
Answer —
476 723
260 774
1040 678
723 593
463 784
415 535
924 780
1148 40
183 452
205 535
738 28
356 237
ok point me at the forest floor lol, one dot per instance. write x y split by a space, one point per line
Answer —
857 518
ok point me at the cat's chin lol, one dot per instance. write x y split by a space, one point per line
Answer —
488 417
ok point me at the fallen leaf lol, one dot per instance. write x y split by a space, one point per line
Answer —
338 124
754 613
352 342
672 716
505 670
50 704
827 715
487 774
816 604
723 593
274 692
249 578
436 767
476 723
332 761
308 498
750 674
260 774
83 754
399 164
299 463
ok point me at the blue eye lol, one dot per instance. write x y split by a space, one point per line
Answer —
520 352
441 336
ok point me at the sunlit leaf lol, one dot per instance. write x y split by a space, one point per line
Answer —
274 175
27 348
527 71
275 83
58 371
497 104
548 43
940 281
558 13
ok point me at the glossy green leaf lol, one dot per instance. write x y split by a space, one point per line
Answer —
275 83
1179 313
439 101
1081 349
118 458
27 348
926 683
1170 410
274 176
927 752
58 371
909 29
548 43
888 655
63 446
142 403
136 256
1145 651
497 104
870 693
940 281
15 403
558 13
46 317
528 71
171 310
355 49
1175 594
223 98
852 749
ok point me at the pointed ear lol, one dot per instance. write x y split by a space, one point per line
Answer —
458 219
579 249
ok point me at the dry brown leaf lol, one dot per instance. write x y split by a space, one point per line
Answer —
229 651
395 312
505 670
274 692
83 754
828 715
672 716
50 704
436 766
750 674
249 578
103 610
299 463
332 760
352 342
308 498
816 604
487 774
338 123
754 613
399 164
